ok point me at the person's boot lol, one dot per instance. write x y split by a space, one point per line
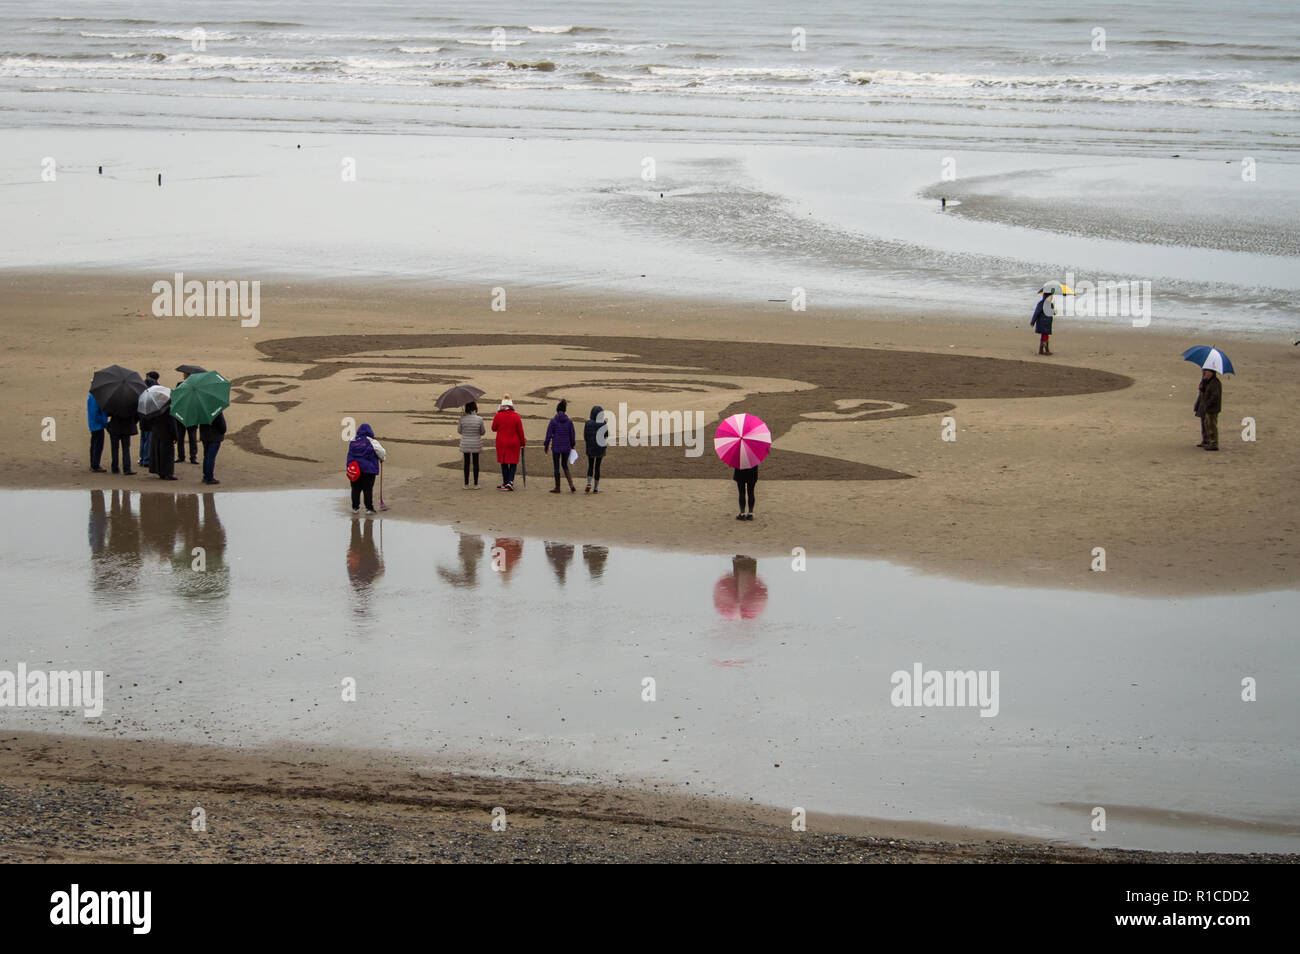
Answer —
595 487
1047 348
557 484
1041 346
572 489
588 490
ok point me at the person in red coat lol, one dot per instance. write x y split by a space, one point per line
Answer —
509 429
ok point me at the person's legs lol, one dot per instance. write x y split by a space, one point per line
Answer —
1047 344
367 482
96 449
1202 443
466 456
514 469
194 443
146 436
740 492
595 487
567 476
115 446
475 456
356 494
555 463
749 487
591 464
210 449
1211 431
126 454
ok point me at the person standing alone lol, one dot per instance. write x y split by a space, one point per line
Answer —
366 452
1209 402
1042 321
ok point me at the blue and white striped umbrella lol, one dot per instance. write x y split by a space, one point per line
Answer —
1203 356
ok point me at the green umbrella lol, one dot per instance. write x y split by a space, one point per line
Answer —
200 398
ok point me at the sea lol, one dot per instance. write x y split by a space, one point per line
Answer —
841 153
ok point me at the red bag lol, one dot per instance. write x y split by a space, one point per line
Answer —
354 471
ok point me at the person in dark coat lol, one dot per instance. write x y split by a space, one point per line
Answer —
595 434
367 452
1209 402
1042 321
560 438
120 429
146 431
745 481
192 431
163 431
96 420
212 435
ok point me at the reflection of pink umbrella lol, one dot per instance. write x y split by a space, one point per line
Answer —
742 441
740 594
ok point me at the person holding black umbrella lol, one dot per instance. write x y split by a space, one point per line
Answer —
120 429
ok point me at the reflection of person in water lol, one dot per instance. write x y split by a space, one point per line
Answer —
740 594
159 524
560 555
114 544
365 561
97 527
470 551
506 553
203 575
595 558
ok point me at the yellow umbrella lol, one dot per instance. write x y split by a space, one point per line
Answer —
1057 287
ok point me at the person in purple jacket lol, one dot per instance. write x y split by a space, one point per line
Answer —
560 438
367 452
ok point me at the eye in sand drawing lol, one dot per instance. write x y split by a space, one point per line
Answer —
392 380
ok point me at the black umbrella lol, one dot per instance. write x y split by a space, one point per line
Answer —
190 369
117 390
458 396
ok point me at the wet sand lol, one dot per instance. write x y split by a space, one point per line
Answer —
1094 447
75 800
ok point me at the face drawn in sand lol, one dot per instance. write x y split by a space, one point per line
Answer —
783 384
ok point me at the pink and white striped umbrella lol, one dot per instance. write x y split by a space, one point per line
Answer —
742 441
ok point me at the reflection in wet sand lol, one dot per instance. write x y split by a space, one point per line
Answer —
365 563
506 553
560 555
740 594
470 552
182 531
595 558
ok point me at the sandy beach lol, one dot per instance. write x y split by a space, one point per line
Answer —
1053 457
337 806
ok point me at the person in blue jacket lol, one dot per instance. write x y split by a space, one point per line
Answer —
96 420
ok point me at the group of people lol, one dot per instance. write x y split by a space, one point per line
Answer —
160 435
561 442
365 453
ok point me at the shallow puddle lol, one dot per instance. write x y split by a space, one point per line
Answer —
529 657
